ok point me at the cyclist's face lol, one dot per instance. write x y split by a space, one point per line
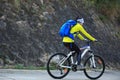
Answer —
80 23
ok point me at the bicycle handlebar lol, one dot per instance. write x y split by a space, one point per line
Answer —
90 41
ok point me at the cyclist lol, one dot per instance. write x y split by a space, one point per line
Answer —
80 32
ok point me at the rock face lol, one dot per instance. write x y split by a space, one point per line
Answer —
29 30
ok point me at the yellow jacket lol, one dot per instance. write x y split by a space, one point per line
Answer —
78 30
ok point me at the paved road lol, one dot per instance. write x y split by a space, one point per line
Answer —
13 74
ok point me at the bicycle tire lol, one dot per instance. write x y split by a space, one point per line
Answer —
52 67
100 67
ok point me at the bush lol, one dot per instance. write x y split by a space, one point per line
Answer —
108 8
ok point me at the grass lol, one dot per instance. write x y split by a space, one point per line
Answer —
21 66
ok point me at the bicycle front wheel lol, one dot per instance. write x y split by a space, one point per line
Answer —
94 67
54 67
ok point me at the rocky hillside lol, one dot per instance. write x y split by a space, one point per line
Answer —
29 30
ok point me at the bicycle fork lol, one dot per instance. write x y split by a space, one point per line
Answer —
92 61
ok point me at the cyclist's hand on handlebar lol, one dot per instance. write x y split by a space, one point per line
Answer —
87 40
96 40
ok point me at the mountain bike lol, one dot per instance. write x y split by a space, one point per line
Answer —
59 64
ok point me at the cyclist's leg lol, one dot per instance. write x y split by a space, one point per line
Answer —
77 50
68 45
74 47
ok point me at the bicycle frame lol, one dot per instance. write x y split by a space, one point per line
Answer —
64 59
85 50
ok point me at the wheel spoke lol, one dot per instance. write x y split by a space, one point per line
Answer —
54 66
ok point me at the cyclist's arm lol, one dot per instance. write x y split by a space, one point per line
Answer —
83 31
80 37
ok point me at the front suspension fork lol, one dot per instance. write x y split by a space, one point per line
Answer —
92 60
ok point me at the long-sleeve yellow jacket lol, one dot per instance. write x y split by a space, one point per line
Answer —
80 32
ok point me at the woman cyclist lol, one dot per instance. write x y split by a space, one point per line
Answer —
80 32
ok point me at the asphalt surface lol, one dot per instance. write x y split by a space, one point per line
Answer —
14 74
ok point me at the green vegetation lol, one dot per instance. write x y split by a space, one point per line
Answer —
106 5
102 17
21 66
16 3
107 8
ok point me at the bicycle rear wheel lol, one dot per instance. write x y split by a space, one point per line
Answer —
94 72
53 66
